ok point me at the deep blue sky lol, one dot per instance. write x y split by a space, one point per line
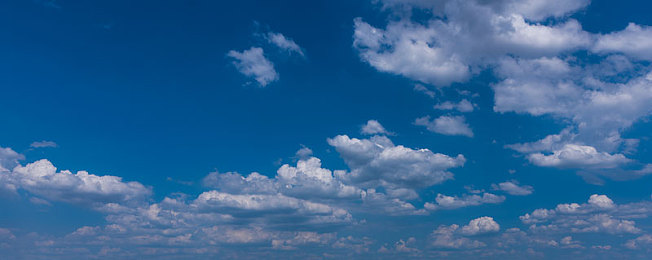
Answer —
145 90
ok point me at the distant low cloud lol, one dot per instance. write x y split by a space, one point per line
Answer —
43 144
253 63
446 125
451 202
513 188
463 106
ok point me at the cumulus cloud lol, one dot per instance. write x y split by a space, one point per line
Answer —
42 178
378 162
446 125
635 41
599 215
373 127
480 225
463 35
578 156
452 236
408 49
253 63
513 188
534 61
271 208
284 43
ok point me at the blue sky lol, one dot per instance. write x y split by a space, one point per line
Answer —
325 129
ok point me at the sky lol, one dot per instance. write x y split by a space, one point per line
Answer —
369 129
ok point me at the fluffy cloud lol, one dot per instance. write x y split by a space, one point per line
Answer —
378 162
271 208
452 236
283 43
480 225
41 178
599 214
512 188
252 63
635 41
578 156
534 62
463 35
373 127
446 125
450 202
408 49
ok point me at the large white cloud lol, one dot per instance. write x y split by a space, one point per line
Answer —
378 162
42 179
465 35
535 62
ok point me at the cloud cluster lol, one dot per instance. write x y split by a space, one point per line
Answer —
378 162
539 70
599 214
254 64
454 237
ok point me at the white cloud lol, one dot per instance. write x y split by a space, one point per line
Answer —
9 159
450 202
373 127
446 125
303 153
378 162
42 144
284 43
273 208
252 63
512 188
409 50
480 225
578 156
635 41
463 106
599 111
465 35
599 215
444 237
42 178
